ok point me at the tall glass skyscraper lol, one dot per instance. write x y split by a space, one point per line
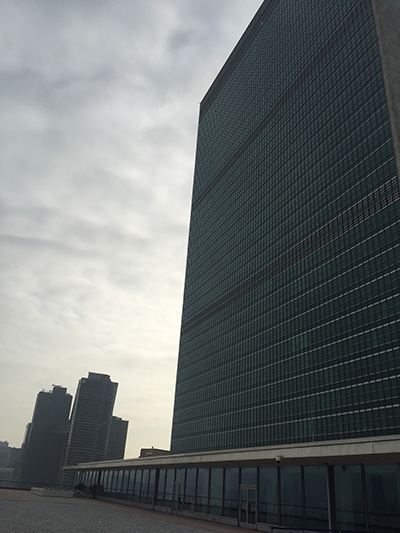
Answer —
90 422
290 327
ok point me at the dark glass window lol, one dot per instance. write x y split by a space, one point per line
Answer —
101 482
169 487
316 497
268 496
125 483
131 483
151 487
190 489
115 480
108 482
161 487
249 476
202 490
216 490
231 494
144 486
350 510
383 496
291 496
138 481
179 489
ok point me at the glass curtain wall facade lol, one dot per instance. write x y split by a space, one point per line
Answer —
289 329
364 497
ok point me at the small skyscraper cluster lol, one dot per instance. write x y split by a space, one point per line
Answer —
52 440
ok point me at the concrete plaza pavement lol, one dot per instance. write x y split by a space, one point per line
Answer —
23 512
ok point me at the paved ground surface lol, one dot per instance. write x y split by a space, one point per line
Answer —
23 512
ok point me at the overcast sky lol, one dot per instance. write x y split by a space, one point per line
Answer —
98 107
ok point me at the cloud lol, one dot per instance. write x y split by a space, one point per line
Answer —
99 106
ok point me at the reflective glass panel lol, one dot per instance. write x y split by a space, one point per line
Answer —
316 497
114 482
249 476
138 481
291 499
383 491
150 490
169 487
268 497
179 489
350 513
144 487
216 490
202 490
231 498
161 487
131 483
119 481
125 482
190 489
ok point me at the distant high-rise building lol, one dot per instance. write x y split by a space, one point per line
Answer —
5 451
117 438
90 421
10 460
44 444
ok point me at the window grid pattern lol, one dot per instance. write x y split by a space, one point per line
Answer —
290 326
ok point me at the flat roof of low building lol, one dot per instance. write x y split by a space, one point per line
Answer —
338 452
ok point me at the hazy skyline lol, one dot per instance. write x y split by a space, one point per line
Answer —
99 110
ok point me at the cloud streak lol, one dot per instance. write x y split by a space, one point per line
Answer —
99 104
